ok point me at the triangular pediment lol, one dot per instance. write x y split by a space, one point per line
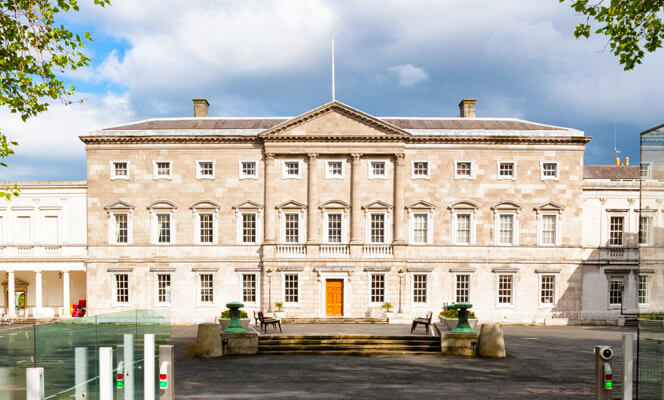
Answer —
549 206
163 204
335 120
421 204
334 204
506 205
463 205
247 204
120 205
377 205
205 204
292 204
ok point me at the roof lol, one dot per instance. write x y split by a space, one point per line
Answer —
657 130
611 172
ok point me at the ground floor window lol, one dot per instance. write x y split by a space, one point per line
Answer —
643 289
291 288
206 288
616 284
462 288
163 289
547 289
121 288
505 289
377 288
419 288
249 288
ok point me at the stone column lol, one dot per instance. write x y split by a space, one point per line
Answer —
355 206
270 181
399 206
65 293
313 228
11 300
38 292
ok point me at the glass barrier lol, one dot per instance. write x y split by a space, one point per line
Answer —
54 346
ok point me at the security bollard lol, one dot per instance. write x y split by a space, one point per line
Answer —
105 373
81 372
128 373
603 372
34 384
628 366
166 372
148 367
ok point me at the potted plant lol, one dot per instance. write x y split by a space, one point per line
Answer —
451 318
388 310
225 319
279 310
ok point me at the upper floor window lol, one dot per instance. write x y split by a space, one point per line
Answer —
420 169
164 228
549 231
161 169
463 221
247 216
248 227
420 228
205 169
334 169
162 213
119 169
121 228
645 170
506 226
292 227
506 170
420 214
549 170
248 169
206 227
616 224
506 229
377 233
377 169
549 217
291 170
463 170
645 230
119 222
205 221
334 228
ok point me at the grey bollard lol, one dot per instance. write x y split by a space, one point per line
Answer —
492 341
208 341
34 383
81 372
166 367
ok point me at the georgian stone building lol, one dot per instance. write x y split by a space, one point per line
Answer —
335 212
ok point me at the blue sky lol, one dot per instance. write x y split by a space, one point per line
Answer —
393 58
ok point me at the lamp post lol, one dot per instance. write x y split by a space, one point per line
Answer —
269 290
400 278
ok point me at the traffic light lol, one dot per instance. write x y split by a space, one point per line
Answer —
163 376
119 382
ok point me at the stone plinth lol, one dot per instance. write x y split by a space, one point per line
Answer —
208 342
492 341
239 343
458 344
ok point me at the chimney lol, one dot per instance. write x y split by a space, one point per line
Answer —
627 161
467 108
201 107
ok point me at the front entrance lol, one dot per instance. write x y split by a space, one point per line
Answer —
334 297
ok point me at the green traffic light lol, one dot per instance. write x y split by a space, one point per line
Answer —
163 384
120 384
608 385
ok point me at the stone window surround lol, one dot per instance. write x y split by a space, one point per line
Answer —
506 207
508 178
328 175
299 288
648 213
370 168
198 274
507 272
547 272
411 272
113 209
645 170
370 275
292 207
162 206
616 213
248 207
204 206
648 279
335 207
284 170
241 173
256 274
199 175
472 170
615 275
549 178
378 207
114 290
156 274
412 169
420 207
462 271
549 208
155 172
463 207
112 165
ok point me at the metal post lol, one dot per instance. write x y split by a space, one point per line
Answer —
628 366
128 356
166 362
602 367
105 373
81 372
34 383
269 290
148 367
400 273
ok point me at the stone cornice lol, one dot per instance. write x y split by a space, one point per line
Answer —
167 139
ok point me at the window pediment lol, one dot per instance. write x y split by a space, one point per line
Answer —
119 205
162 204
377 205
247 205
205 204
291 205
334 205
463 205
421 205
506 205
549 206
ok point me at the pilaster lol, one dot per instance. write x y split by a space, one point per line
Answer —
313 226
355 206
271 179
399 205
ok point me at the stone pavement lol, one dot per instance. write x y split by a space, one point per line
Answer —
542 363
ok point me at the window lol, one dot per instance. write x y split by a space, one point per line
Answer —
161 169
377 170
547 290
23 230
506 229
163 289
291 170
420 228
377 288
248 227
121 294
248 170
645 170
616 287
419 288
164 228
505 289
292 228
206 288
462 288
549 170
462 234
506 170
616 231
334 169
291 288
377 228
334 228
420 170
643 289
49 232
463 170
205 169
249 288
645 229
549 234
206 222
121 228
119 169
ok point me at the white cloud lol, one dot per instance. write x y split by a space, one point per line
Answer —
408 74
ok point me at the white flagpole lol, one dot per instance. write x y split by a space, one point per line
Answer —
333 94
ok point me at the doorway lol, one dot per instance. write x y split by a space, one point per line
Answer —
19 297
334 297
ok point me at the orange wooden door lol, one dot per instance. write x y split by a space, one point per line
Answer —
334 297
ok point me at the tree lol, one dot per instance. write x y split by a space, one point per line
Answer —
631 26
34 49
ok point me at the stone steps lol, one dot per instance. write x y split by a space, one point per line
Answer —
349 345
334 320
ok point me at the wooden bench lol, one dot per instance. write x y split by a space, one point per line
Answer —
426 321
265 321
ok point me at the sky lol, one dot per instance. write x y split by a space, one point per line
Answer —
519 59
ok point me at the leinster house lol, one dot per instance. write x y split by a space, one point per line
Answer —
334 213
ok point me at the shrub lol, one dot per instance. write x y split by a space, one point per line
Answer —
227 314
387 307
455 314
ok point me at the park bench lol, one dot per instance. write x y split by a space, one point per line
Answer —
265 321
426 321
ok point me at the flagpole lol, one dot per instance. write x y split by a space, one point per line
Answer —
333 94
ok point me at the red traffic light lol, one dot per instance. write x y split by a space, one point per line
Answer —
608 377
120 377
162 377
